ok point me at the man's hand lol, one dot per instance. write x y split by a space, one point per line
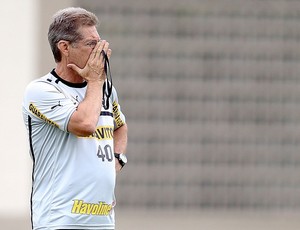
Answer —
84 120
94 68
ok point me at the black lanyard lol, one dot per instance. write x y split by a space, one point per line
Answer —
107 86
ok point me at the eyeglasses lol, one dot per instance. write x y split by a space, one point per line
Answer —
89 43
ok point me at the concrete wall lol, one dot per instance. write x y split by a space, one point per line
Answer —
236 66
18 61
24 56
210 90
45 61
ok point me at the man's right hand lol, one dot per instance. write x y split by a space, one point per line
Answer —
94 68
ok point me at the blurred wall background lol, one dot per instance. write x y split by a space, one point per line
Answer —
24 53
211 93
18 63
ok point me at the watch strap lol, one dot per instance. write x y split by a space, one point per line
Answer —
117 155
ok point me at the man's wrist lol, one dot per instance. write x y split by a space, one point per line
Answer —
121 157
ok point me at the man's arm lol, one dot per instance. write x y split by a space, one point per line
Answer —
120 142
84 120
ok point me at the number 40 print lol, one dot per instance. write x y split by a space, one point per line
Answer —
105 153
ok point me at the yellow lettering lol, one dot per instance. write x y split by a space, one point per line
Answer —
35 111
95 209
103 133
77 206
100 209
117 115
83 208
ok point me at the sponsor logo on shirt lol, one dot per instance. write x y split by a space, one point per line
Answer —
117 116
97 209
35 111
103 133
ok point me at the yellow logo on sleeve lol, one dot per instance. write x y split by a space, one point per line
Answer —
35 111
98 209
117 115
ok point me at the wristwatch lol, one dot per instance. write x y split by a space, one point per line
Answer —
121 158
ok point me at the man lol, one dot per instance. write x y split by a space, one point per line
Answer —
76 129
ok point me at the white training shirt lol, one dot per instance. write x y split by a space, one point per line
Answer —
73 177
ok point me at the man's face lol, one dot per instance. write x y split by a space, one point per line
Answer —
81 50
